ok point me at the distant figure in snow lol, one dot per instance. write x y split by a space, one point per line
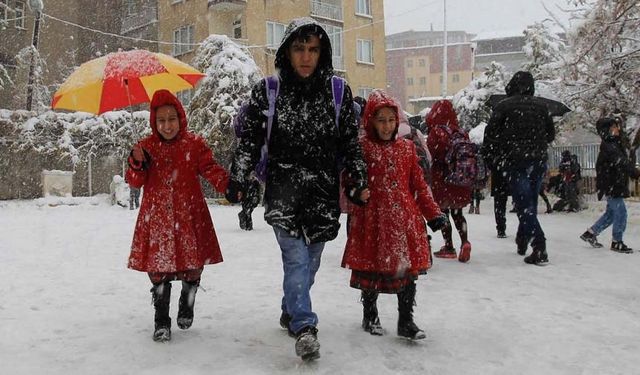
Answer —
516 141
387 245
613 170
569 169
174 236
302 188
118 191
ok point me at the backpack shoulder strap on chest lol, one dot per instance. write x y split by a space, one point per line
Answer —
337 89
272 86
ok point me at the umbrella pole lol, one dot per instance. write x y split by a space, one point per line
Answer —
133 132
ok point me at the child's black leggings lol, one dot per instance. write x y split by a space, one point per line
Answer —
461 225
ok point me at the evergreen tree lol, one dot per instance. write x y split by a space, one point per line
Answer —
231 73
5 79
544 50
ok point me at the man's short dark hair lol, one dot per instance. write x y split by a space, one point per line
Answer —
305 33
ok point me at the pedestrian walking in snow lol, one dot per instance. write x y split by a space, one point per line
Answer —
444 130
308 136
613 170
516 141
569 169
174 236
250 201
387 245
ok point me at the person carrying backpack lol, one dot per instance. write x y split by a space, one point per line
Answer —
307 138
452 174
516 141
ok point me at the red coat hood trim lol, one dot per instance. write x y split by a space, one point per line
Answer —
165 97
442 113
376 100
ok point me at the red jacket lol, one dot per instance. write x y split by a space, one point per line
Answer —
388 234
174 231
447 196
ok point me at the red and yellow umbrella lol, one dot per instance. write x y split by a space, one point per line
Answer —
120 79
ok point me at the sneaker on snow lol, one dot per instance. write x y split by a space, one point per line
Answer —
465 252
162 334
620 247
445 252
502 234
591 239
307 345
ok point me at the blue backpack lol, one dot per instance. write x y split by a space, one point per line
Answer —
272 88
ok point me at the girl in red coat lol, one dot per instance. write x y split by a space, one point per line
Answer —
174 236
442 121
387 246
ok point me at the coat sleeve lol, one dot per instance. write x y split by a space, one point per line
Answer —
348 145
491 139
247 154
136 175
428 206
208 168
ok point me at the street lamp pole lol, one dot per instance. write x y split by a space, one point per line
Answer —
444 54
36 6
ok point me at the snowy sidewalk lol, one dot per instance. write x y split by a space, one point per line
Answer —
70 306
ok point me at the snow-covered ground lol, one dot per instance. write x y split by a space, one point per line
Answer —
70 306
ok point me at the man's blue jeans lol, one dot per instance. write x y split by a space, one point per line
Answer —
300 262
525 181
616 214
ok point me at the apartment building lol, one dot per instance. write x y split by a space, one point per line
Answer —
356 29
414 66
504 47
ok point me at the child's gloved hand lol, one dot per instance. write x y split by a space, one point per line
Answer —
358 195
139 158
234 192
438 223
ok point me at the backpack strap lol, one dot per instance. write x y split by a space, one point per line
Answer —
273 88
337 89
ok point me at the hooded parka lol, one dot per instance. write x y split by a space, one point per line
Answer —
613 167
446 195
388 234
305 146
174 231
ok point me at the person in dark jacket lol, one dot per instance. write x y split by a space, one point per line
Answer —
516 139
302 185
613 170
250 201
569 169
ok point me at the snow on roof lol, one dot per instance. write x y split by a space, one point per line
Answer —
498 34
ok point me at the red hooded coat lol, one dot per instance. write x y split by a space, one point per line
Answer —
388 234
447 196
174 231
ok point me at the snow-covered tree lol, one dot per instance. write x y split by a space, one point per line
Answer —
602 67
5 79
470 102
544 50
230 72
40 92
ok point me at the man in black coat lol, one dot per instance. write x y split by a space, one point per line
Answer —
302 186
613 170
516 141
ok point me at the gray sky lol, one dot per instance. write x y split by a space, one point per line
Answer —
468 15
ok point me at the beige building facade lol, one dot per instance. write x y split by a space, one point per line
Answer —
356 29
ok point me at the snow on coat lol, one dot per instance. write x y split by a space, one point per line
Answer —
174 231
302 187
388 234
446 195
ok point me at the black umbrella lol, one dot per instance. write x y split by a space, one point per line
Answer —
555 107
417 122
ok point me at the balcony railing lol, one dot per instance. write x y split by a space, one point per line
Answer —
326 10
145 16
227 5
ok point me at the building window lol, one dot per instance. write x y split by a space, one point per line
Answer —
335 37
275 31
19 14
423 81
409 63
409 81
183 40
364 51
422 62
364 92
456 78
363 7
237 28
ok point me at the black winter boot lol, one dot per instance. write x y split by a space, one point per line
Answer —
620 247
538 257
406 327
307 345
161 294
521 245
370 319
186 303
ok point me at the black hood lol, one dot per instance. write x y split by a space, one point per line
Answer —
603 125
522 83
297 27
